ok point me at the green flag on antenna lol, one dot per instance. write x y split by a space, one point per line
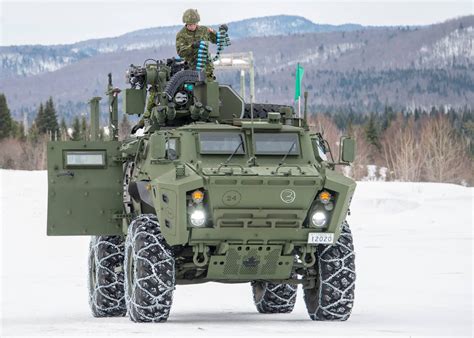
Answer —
299 77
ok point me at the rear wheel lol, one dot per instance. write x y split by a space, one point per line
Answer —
274 298
106 277
150 271
332 297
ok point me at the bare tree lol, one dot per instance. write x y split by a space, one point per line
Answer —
401 150
446 156
23 154
361 160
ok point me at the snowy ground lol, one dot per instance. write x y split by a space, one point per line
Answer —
414 272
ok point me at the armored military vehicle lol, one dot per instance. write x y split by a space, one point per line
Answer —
212 189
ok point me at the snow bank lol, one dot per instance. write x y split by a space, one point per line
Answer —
413 254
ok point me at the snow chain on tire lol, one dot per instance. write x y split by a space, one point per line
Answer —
332 297
150 271
106 277
274 298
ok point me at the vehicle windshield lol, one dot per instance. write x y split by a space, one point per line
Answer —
221 143
277 144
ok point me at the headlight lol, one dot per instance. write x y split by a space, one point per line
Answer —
319 219
197 218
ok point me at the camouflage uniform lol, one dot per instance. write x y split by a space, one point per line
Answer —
184 46
185 49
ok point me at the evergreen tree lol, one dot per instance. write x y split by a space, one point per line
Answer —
40 120
387 117
33 133
6 122
76 129
63 130
371 132
417 114
51 118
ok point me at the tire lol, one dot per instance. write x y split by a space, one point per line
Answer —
261 110
106 276
332 298
150 271
274 298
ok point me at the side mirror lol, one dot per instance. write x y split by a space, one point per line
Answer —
347 150
157 145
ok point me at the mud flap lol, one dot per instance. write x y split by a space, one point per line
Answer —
84 188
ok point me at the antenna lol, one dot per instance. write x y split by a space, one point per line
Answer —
305 114
254 157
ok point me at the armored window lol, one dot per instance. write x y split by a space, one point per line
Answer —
277 144
84 159
221 143
172 149
319 150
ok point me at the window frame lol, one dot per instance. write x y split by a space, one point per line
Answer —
296 148
242 151
68 165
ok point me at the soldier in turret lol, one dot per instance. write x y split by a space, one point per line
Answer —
189 38
188 41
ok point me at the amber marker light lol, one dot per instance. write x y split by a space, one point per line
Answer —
197 196
325 197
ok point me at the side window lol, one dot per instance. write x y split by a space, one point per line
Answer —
319 150
172 149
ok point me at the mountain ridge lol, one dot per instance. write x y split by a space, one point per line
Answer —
360 70
27 60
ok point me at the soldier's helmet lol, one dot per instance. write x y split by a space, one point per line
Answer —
191 16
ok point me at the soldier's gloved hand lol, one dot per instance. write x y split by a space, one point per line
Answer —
196 44
135 128
139 125
223 27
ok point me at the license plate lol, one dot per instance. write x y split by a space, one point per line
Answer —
320 238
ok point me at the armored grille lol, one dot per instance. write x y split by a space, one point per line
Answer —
232 263
271 261
247 262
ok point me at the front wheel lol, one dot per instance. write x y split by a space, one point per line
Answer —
106 281
150 271
332 297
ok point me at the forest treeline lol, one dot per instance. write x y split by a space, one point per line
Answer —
408 145
411 146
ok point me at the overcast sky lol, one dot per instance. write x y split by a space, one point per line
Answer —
67 21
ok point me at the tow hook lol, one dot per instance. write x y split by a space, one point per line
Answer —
308 251
200 249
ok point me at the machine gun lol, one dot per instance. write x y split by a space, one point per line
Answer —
177 95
